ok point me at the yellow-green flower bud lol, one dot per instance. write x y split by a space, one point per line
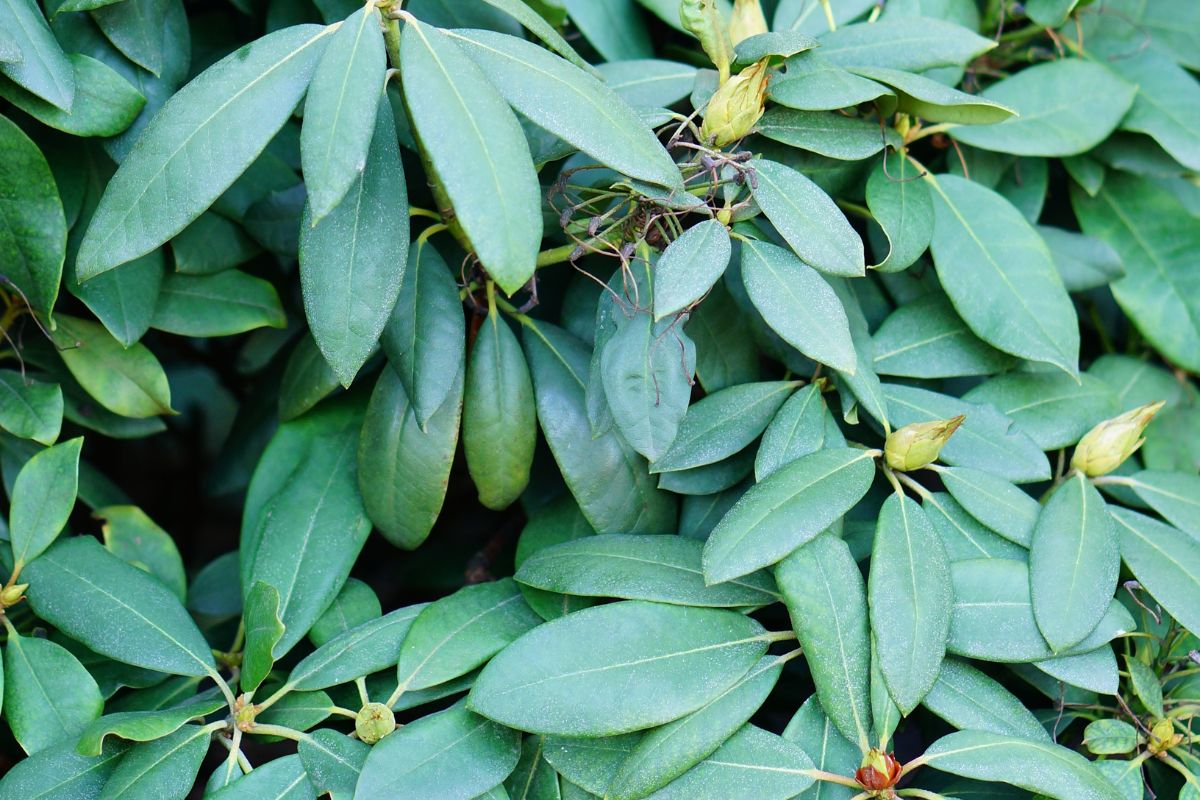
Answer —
1163 737
919 445
736 106
1106 446
747 20
374 721
12 595
702 19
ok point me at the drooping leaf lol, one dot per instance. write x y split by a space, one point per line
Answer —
105 104
157 190
341 111
820 584
115 609
904 210
466 130
143 726
223 304
130 534
370 647
934 101
30 409
617 668
910 600
811 83
926 338
808 219
43 497
1074 560
999 275
454 753
786 510
128 381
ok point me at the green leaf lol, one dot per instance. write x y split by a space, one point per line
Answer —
726 354
333 762
664 569
105 104
908 43
571 104
533 778
264 629
1106 737
135 538
210 244
281 779
1083 262
403 470
135 27
115 609
127 381
307 379
666 753
903 209
689 267
10 51
33 239
143 726
59 773
463 631
341 111
1152 232
933 101
985 440
589 763
964 536
1054 410
499 415
355 604
1074 561
802 426
722 424
886 715
1095 671
303 528
123 299
160 768
557 522
538 25
476 152
863 383
1146 686
925 338
1174 495
993 615
298 710
1064 107
614 28
30 409
829 750
607 478
786 510
797 303
223 304
43 68
711 478
831 135
158 188
999 275
811 83
48 695
910 600
349 271
995 502
774 45
43 497
426 335
1040 767
453 753
807 219
821 584
970 700
617 668
370 647
647 370
648 82
1165 561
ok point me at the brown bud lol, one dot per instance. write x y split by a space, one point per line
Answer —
879 771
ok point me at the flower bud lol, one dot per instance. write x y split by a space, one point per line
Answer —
1163 737
919 445
1106 446
879 771
702 19
374 721
12 595
736 106
747 20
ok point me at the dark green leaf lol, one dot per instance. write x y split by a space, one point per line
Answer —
30 409
355 604
135 538
127 381
160 770
689 267
60 773
970 700
908 43
1165 561
48 695
43 498
264 629
802 426
42 68
143 726
105 103
367 648
903 209
33 239
831 135
995 502
333 762
223 304
1054 410
926 338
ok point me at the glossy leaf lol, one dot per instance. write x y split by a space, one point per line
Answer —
105 103
821 584
143 726
264 629
580 675
43 68
786 510
370 647
33 241
1074 560
908 43
808 219
48 695
223 304
115 609
30 409
127 381
158 189
475 134
159 769
910 600
43 498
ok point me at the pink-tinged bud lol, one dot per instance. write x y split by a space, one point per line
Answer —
918 445
1106 446
879 771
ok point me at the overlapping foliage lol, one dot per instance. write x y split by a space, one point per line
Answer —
813 343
